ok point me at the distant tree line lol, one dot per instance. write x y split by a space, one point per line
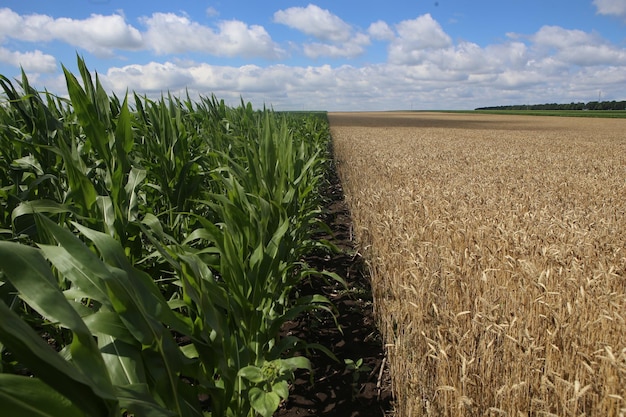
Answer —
592 105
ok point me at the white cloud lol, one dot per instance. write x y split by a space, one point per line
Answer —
353 48
247 80
316 22
421 33
31 61
10 22
594 55
416 36
211 12
98 34
560 38
169 33
337 38
577 47
148 78
611 7
424 68
431 84
517 79
380 30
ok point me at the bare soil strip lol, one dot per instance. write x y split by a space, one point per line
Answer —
333 389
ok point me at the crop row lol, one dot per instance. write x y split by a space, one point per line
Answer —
496 246
149 252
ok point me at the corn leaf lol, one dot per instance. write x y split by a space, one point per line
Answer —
50 367
87 114
75 261
138 400
29 397
123 361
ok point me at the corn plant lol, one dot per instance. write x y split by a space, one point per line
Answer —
156 246
122 355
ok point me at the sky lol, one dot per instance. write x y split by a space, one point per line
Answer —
327 55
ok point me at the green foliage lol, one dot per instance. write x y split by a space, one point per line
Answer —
149 251
592 105
358 369
270 382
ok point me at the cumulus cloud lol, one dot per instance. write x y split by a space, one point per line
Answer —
577 47
560 38
380 30
315 21
247 80
421 33
149 78
98 34
169 33
415 37
611 7
451 80
31 61
336 38
353 48
424 67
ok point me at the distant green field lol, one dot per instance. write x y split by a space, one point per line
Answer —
562 113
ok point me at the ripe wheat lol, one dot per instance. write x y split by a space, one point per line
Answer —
497 246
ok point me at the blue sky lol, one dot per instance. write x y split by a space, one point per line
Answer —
348 55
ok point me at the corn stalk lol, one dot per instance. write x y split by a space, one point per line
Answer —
155 245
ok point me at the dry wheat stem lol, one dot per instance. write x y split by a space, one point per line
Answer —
497 246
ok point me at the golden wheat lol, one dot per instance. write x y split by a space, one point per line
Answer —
497 246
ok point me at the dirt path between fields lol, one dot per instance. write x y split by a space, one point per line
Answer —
332 389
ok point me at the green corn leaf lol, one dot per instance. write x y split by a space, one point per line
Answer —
135 178
27 163
139 283
107 213
75 261
123 361
77 269
82 190
127 303
137 300
198 234
138 400
29 397
30 274
124 139
155 226
144 312
108 323
87 115
39 206
98 95
210 298
50 367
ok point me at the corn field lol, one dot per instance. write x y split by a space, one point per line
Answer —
497 247
149 250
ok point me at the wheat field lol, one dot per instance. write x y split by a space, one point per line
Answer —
497 249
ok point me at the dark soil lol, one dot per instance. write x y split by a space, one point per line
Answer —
332 388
